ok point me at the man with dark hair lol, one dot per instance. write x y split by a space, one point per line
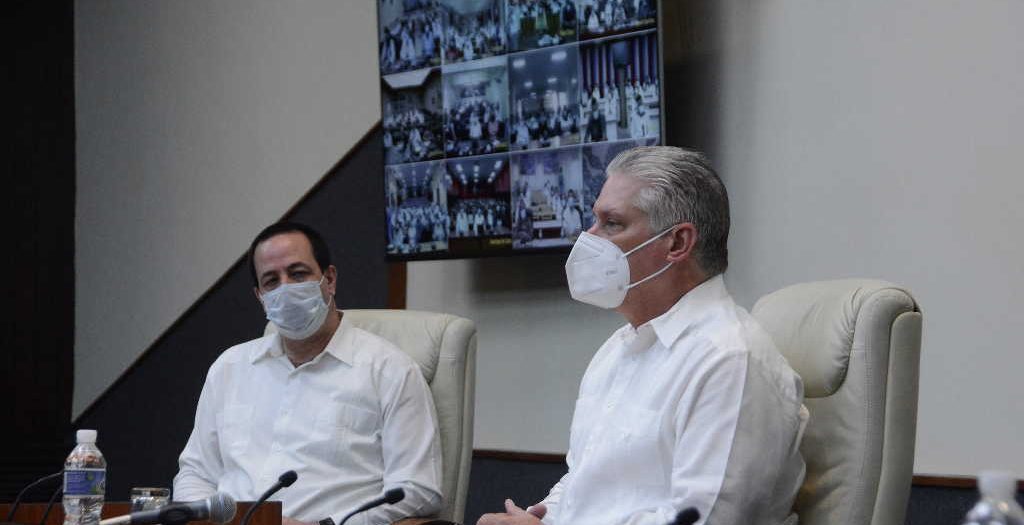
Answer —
345 409
689 404
321 253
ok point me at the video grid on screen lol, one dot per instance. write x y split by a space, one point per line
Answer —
500 116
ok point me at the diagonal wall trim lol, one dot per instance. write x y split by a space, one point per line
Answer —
146 416
239 263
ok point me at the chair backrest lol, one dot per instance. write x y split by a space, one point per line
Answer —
856 343
444 347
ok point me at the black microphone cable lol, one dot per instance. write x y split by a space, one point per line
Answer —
17 500
49 504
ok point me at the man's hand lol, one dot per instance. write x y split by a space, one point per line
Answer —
515 516
285 520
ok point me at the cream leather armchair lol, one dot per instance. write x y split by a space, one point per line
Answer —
856 344
444 346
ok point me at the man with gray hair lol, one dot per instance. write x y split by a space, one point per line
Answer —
689 404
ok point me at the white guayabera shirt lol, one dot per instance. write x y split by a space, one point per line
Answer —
356 420
695 408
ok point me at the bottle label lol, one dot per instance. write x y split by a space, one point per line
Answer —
85 482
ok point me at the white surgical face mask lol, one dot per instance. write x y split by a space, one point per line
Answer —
297 310
598 271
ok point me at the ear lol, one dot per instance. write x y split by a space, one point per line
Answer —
684 240
256 292
331 279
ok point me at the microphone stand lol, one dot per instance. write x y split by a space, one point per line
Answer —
285 480
390 497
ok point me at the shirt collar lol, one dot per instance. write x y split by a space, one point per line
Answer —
691 308
269 346
339 346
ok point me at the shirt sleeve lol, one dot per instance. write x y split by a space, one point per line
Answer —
200 464
411 447
763 469
734 437
706 422
552 500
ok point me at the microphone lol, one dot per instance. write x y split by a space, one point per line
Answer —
687 516
284 480
219 508
17 499
390 497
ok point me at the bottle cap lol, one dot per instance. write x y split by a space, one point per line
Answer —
86 436
997 483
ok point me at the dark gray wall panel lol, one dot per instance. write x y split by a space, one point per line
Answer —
38 164
145 417
527 482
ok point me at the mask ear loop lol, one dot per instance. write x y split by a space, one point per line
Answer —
331 296
652 276
657 273
649 241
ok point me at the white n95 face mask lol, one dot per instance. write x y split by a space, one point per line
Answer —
598 271
297 310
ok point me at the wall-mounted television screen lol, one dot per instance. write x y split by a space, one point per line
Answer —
500 116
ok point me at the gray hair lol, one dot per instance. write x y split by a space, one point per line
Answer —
681 186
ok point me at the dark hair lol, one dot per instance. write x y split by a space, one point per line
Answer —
320 251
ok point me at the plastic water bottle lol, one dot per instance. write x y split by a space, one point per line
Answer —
85 481
996 506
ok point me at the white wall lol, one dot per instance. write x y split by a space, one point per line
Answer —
882 139
198 123
868 138
533 343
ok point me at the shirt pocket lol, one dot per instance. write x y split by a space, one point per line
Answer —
342 421
234 428
634 425
633 445
346 432
341 417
